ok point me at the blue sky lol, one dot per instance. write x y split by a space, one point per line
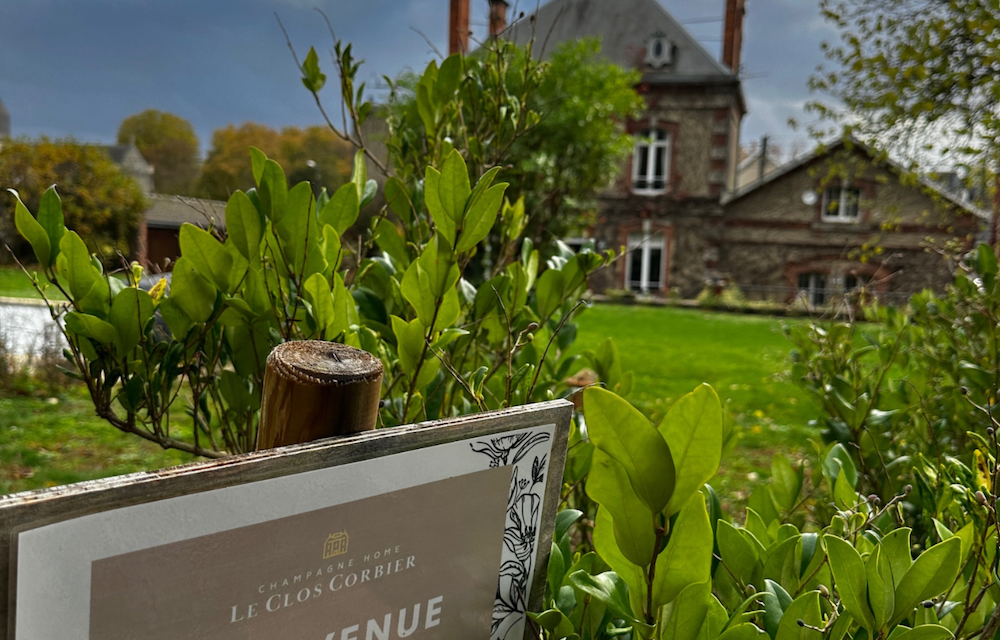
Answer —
77 68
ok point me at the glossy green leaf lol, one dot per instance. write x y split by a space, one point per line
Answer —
924 632
273 191
454 187
88 326
606 547
557 568
881 592
32 231
410 346
687 558
192 292
388 240
693 431
852 584
480 218
207 255
312 78
342 211
85 281
332 249
738 554
565 520
359 176
244 226
931 574
684 617
609 486
549 292
618 429
776 601
443 222
805 608
257 160
448 78
320 296
345 311
50 216
130 311
742 631
556 623
896 548
606 587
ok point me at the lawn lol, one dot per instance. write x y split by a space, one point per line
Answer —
58 440
672 350
15 284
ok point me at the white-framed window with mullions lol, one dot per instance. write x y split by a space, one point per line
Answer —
646 260
651 161
841 203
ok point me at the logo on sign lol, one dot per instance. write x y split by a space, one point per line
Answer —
335 545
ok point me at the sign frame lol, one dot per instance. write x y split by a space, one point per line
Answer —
32 509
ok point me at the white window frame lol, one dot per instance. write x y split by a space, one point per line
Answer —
809 293
840 212
645 243
647 144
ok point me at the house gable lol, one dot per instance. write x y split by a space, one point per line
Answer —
626 28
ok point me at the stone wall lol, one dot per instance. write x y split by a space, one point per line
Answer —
771 235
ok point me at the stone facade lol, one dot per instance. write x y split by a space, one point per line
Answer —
685 216
665 207
781 238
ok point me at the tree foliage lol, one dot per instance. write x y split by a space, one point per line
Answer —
99 202
314 154
920 74
579 145
573 107
169 143
451 341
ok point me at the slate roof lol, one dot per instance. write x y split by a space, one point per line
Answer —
170 212
624 26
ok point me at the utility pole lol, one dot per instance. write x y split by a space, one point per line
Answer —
763 157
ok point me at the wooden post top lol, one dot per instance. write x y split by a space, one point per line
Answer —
315 389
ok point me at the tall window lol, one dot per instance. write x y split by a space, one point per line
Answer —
651 162
645 261
841 204
812 288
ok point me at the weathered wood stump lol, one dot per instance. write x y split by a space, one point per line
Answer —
315 389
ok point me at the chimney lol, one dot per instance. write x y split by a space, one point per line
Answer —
732 36
498 17
458 27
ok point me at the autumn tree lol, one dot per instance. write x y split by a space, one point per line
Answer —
314 154
169 143
99 202
918 77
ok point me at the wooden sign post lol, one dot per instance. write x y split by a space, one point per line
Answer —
315 389
436 530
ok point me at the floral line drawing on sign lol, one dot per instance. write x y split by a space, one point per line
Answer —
520 527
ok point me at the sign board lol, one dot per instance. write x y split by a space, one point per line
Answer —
437 530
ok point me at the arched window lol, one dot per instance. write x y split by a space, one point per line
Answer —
651 162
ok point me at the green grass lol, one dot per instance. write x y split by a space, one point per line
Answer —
15 284
671 350
51 441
